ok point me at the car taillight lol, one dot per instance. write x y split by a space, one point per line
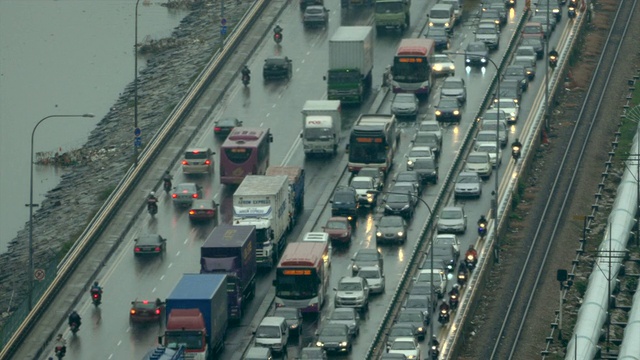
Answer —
192 212
157 311
157 248
195 196
137 249
217 128
133 311
174 195
210 212
207 162
185 162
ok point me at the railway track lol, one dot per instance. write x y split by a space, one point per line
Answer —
549 222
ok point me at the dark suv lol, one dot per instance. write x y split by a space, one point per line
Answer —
345 202
476 54
277 67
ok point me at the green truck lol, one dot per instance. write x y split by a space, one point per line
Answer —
392 14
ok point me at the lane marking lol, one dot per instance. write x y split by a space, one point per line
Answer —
170 265
161 277
178 253
154 290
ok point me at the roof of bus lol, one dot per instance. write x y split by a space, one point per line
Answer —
303 254
245 135
421 47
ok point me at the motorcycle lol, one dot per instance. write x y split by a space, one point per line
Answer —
60 351
515 153
450 266
96 296
470 261
571 11
167 186
152 207
553 61
443 316
74 327
453 301
462 278
482 229
434 352
245 79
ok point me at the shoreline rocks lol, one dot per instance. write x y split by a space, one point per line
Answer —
95 169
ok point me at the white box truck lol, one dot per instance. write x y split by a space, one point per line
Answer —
350 64
266 203
321 126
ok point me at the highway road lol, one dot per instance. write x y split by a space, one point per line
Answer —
106 332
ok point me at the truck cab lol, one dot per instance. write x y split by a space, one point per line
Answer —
392 14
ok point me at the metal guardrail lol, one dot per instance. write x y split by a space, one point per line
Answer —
425 235
530 136
119 196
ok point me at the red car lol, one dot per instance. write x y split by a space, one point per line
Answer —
532 30
203 210
339 229
145 310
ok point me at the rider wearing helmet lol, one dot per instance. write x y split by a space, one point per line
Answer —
472 252
245 71
151 198
482 221
96 287
74 317
277 29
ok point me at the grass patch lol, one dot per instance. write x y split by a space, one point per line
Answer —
581 287
104 194
517 197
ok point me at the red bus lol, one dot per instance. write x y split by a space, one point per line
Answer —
244 152
302 276
411 70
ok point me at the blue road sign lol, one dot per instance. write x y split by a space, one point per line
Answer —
137 132
137 142
223 21
223 30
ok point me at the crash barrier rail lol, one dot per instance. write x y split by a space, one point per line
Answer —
120 195
426 235
513 171
630 347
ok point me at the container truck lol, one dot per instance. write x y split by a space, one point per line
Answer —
321 126
296 176
231 250
350 64
197 315
266 203
392 14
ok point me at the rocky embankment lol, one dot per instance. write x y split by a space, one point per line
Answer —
107 155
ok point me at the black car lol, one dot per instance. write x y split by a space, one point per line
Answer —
410 177
537 44
277 67
391 229
293 317
411 188
366 257
224 126
510 89
149 244
335 338
427 169
519 73
448 110
415 317
398 204
493 15
440 36
476 54
345 203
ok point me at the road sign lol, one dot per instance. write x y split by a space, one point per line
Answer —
38 274
223 21
137 142
223 30
137 132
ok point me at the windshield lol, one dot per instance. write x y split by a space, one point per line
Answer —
417 302
287 313
487 148
394 221
313 10
486 137
402 345
476 48
409 316
421 290
526 51
451 214
404 99
420 153
190 339
368 153
296 287
338 225
401 332
532 29
424 164
318 134
452 85
343 198
477 159
440 14
467 179
429 127
484 30
363 256
342 315
349 286
344 77
389 8
269 332
394 198
411 69
448 103
369 274
407 177
334 331
361 184
505 103
374 173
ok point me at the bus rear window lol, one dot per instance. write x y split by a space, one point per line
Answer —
238 155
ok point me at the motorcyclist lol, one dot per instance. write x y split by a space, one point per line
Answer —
152 199
60 343
74 317
245 71
96 287
167 177
482 221
277 29
471 252
444 309
455 290
434 341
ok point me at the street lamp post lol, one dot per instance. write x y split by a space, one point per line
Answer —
135 84
494 201
31 205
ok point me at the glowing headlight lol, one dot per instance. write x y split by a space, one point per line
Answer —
456 112
411 162
294 326
452 67
446 24
484 60
379 233
400 233
437 67
343 344
430 23
420 329
438 112
319 344
555 11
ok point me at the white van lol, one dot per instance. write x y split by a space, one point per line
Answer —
441 15
273 332
321 237
457 8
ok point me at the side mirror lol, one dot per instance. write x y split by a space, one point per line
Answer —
324 78
301 135
253 332
335 289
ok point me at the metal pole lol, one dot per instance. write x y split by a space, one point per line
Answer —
495 196
546 74
221 17
560 315
135 83
31 205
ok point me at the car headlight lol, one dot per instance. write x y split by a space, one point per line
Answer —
294 326
467 60
430 23
410 162
420 329
437 67
452 67
319 344
343 344
400 233
484 60
515 101
379 233
438 113
456 112
446 24
556 11
354 267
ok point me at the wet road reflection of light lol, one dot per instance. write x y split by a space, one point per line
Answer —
456 134
512 129
400 254
512 15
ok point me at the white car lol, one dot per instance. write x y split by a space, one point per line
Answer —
365 188
374 277
511 108
441 64
431 126
418 152
495 154
407 346
448 239
439 279
352 292
486 136
452 219
480 163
